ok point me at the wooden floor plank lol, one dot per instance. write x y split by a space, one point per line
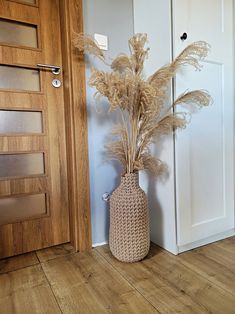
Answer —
26 291
54 252
18 262
219 254
213 265
163 295
199 281
87 283
227 244
163 274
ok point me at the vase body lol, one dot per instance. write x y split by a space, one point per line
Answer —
129 233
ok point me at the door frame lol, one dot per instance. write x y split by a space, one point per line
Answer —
71 19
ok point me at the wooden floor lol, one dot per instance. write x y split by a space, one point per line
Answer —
57 280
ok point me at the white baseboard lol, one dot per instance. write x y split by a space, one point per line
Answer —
99 244
190 246
217 237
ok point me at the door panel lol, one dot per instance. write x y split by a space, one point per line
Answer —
18 78
18 33
21 121
22 207
22 165
204 152
34 193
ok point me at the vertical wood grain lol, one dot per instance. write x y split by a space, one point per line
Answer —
35 233
76 121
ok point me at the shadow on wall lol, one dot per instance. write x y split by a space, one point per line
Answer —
104 173
150 184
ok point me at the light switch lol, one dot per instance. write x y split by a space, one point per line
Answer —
102 41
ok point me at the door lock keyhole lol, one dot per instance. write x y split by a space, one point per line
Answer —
56 83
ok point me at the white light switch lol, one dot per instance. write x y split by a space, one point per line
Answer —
102 41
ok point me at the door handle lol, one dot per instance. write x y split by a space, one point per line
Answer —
55 69
184 36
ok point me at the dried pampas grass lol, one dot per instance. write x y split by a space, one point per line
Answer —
199 98
140 101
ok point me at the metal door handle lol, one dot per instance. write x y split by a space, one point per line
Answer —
55 69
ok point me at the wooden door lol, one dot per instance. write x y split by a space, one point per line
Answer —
204 151
33 167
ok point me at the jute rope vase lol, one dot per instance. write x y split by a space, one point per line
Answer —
129 237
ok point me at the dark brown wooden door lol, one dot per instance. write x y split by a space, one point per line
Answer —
33 167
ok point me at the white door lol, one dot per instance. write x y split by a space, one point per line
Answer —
204 151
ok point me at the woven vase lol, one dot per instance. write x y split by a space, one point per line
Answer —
129 234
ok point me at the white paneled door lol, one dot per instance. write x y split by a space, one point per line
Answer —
204 151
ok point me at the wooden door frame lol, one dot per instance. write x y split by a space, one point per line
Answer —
71 16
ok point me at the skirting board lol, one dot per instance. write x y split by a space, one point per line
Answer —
196 244
215 238
99 244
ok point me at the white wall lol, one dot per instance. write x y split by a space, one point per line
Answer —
114 19
155 20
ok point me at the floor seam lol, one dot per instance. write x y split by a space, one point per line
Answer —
52 291
11 271
53 258
37 257
185 264
180 261
127 281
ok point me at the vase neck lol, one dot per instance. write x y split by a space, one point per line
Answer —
130 181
